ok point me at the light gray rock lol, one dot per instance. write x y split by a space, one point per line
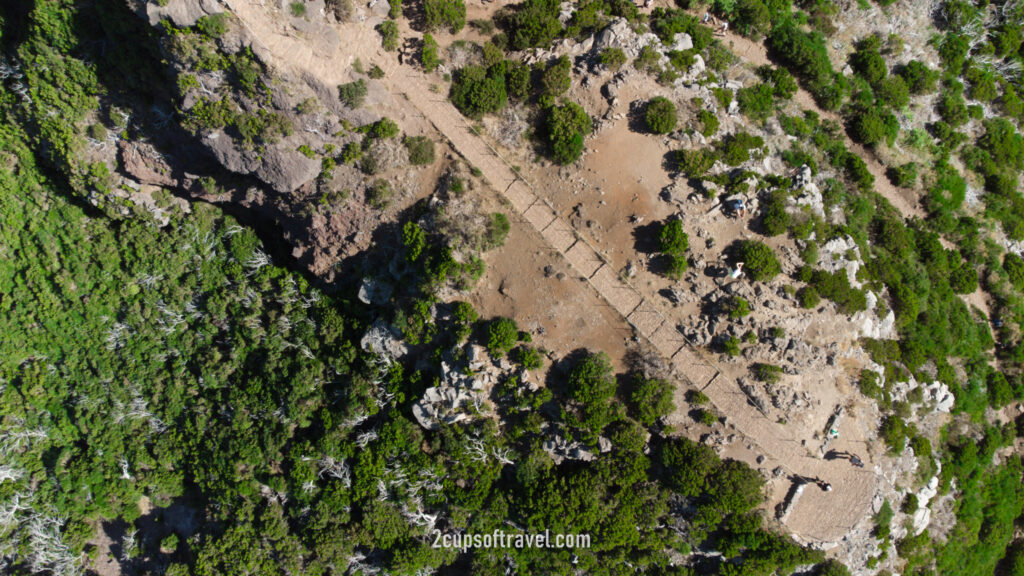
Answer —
287 170
183 13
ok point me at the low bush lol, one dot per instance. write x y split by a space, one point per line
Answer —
808 297
920 79
421 150
651 399
660 115
759 261
756 102
904 176
613 58
477 91
379 194
566 126
768 373
429 53
735 149
557 79
695 163
353 94
708 123
389 37
502 335
444 14
673 243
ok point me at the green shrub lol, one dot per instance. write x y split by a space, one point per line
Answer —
870 385
566 126
379 194
808 297
731 346
953 50
768 373
613 58
383 129
774 217
836 287
213 25
497 229
97 131
752 18
872 126
867 61
528 357
952 107
389 38
557 79
783 83
999 391
695 163
707 417
1003 143
708 122
687 465
759 261
414 240
502 335
893 92
651 399
963 279
1014 267
920 79
535 24
673 243
298 9
592 385
735 148
660 115
983 84
517 80
895 433
448 14
353 94
756 102
429 53
806 55
476 91
737 308
421 150
904 176
485 27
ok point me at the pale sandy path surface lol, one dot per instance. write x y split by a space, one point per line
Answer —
817 516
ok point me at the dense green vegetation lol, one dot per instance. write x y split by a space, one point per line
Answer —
179 365
150 368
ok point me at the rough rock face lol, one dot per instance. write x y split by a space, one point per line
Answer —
381 339
619 34
145 164
182 13
286 170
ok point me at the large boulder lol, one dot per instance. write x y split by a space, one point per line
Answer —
183 13
619 34
287 170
